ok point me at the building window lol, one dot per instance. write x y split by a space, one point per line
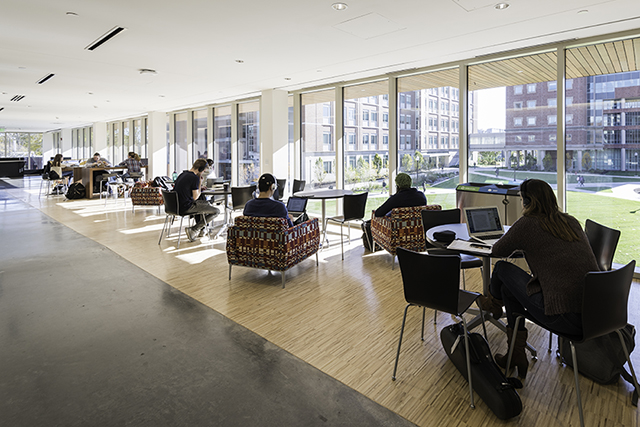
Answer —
385 120
374 141
552 120
552 137
365 139
569 84
531 88
517 105
374 118
531 138
351 116
531 103
365 117
326 141
518 138
517 121
552 102
327 166
531 121
385 139
552 86
326 113
569 100
569 119
517 90
351 139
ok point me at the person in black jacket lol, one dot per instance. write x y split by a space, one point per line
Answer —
405 196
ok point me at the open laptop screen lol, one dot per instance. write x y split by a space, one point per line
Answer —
296 204
482 220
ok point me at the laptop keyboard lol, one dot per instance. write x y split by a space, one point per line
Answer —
491 236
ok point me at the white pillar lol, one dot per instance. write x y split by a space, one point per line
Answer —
157 144
65 142
274 132
100 138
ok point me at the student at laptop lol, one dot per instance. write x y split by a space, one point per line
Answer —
264 205
405 196
558 254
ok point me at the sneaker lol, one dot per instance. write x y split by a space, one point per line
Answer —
201 233
191 234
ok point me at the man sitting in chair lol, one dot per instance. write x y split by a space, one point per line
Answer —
187 186
264 205
405 196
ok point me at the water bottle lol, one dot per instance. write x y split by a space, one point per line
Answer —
174 176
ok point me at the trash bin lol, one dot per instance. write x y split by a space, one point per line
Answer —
506 197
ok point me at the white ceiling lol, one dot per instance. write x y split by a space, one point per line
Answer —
194 45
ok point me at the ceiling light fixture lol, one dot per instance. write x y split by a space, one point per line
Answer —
45 78
339 6
239 61
580 12
147 71
105 38
72 14
17 98
501 6
287 78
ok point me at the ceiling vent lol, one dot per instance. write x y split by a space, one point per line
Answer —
105 38
17 98
1 108
45 78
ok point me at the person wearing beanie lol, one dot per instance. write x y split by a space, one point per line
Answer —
406 196
264 205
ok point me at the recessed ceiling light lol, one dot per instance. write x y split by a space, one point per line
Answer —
339 6
239 61
72 14
22 68
287 78
580 12
161 96
501 6
90 93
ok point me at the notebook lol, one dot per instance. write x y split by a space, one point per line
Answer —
484 224
296 206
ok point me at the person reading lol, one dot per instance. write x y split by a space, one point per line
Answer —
188 186
264 205
406 196
132 163
558 254
97 161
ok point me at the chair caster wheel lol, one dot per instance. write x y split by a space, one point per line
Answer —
534 358
473 406
393 378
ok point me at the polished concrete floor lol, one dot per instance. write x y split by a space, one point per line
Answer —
89 339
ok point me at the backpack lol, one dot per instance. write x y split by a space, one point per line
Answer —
53 175
76 191
367 238
602 359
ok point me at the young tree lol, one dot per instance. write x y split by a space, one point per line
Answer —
586 161
319 171
377 163
419 162
407 162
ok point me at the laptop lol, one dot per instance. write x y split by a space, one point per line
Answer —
297 206
484 224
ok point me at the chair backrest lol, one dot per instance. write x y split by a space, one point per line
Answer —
241 195
605 301
171 205
279 194
354 205
432 219
603 241
298 185
431 281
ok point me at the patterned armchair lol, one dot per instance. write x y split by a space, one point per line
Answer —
402 228
269 243
146 196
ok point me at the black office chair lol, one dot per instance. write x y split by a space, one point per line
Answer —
603 241
240 196
279 194
171 209
352 210
297 186
433 281
433 218
604 310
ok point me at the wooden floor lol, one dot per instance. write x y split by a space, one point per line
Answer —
344 318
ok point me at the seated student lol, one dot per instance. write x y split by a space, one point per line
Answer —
264 205
405 196
188 185
133 164
97 162
559 256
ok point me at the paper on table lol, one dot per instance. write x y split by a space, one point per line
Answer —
464 246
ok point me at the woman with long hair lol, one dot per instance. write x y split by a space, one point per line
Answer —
558 255
133 164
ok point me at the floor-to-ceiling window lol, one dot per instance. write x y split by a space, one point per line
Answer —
248 142
428 133
200 150
602 93
222 141
180 144
23 144
318 138
366 140
512 120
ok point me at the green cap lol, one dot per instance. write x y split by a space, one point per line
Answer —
403 180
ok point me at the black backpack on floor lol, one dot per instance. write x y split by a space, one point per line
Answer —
76 191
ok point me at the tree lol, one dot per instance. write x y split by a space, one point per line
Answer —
487 158
407 162
377 163
530 161
419 162
548 163
586 161
319 171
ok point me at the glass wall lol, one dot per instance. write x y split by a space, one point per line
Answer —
127 143
366 140
222 142
602 129
248 142
138 129
116 154
81 142
22 144
512 120
200 150
318 139
180 145
428 133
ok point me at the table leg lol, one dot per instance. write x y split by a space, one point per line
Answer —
324 225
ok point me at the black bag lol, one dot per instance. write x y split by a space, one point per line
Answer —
601 359
76 191
53 175
162 182
367 238
498 392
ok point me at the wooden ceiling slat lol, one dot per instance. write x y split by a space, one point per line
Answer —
622 56
429 80
604 57
318 97
630 55
614 57
589 62
368 89
636 50
574 68
593 57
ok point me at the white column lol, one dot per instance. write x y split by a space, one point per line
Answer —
65 142
100 138
47 147
157 144
274 132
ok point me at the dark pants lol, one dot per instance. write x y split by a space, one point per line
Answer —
509 283
203 212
